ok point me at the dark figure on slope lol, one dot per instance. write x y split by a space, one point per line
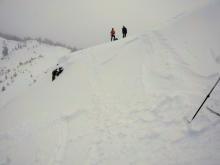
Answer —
56 72
124 31
113 34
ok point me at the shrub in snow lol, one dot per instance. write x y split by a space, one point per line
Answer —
15 74
5 51
3 89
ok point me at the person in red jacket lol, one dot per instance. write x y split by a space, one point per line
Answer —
112 34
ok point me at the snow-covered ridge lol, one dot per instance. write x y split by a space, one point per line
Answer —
125 102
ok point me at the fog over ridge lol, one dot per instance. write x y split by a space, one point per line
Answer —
83 23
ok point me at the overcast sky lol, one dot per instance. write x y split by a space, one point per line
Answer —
83 23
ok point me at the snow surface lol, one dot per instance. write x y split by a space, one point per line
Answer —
24 65
125 102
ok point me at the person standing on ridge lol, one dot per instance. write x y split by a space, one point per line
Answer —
124 31
112 34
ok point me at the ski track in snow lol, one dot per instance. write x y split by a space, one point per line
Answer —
59 151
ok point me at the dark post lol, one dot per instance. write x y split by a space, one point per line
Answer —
206 99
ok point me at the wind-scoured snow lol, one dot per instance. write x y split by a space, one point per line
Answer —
125 102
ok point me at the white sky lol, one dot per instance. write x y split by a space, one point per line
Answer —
83 23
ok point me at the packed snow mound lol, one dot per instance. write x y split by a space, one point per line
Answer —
125 102
24 64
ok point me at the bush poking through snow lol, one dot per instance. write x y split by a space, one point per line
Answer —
3 89
5 51
15 74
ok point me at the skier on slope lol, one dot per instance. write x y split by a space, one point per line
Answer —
112 34
124 31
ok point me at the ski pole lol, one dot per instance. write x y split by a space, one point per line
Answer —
206 99
216 113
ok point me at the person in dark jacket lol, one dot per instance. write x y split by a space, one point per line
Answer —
56 72
112 34
124 31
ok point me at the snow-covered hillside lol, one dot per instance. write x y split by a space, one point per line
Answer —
198 37
24 65
125 102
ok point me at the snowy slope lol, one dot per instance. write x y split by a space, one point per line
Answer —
197 36
125 102
24 65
